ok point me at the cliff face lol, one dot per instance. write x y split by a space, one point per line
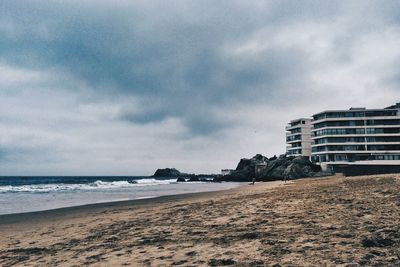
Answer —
264 169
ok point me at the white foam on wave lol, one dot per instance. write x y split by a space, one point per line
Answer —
155 181
97 185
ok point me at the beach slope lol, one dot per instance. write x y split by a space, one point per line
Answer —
333 221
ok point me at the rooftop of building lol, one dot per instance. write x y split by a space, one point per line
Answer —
355 109
395 106
299 120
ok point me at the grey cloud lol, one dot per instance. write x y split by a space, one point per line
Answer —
23 154
212 68
176 57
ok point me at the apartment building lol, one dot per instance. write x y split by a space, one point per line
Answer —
357 136
298 137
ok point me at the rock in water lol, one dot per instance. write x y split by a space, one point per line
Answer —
181 179
167 172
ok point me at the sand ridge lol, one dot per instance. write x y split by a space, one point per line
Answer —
333 221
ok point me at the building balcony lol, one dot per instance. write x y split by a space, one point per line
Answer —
290 128
364 162
293 148
293 134
355 144
355 119
293 141
356 152
356 127
356 135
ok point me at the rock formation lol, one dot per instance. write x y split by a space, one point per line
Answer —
275 168
167 172
259 166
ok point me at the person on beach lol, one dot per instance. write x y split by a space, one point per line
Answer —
253 181
285 178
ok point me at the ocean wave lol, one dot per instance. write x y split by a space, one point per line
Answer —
97 185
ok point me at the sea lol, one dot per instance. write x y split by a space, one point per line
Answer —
28 194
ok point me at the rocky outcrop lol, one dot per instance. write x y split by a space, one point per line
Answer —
167 172
194 179
200 178
289 167
246 169
183 177
275 168
259 166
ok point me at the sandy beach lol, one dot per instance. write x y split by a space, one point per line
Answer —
334 221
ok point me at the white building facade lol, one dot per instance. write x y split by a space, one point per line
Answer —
356 136
298 137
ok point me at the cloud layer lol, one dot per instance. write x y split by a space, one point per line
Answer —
93 87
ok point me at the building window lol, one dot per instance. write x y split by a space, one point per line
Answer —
340 158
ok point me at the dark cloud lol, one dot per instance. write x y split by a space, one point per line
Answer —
194 69
174 54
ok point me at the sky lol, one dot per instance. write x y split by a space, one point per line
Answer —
126 87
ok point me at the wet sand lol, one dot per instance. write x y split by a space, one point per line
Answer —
333 221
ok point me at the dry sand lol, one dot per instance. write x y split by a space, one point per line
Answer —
332 221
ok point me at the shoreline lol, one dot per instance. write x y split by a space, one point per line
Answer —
127 197
72 211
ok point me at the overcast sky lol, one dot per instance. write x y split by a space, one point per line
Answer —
125 87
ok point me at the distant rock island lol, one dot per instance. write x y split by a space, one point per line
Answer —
184 177
259 167
167 172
